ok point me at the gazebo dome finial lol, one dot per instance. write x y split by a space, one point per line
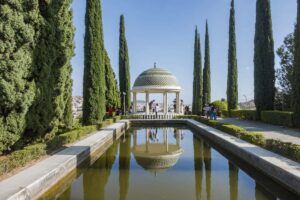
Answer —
154 64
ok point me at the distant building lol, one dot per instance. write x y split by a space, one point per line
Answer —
249 105
77 106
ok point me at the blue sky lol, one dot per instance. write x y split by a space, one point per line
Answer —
162 31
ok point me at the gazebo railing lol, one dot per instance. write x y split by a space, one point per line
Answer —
150 116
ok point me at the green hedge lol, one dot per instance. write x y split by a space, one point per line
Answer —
252 137
289 150
21 157
241 114
278 118
69 137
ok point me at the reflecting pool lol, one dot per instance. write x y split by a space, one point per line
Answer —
167 163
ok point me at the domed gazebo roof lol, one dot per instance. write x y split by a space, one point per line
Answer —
156 80
155 157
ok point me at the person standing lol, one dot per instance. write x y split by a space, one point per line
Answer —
156 109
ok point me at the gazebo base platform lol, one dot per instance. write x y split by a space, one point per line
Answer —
153 116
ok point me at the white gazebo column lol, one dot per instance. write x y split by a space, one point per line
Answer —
178 102
147 103
165 103
134 102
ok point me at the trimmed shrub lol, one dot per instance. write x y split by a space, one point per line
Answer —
21 157
289 150
224 113
232 129
254 138
116 118
220 105
69 137
278 118
243 114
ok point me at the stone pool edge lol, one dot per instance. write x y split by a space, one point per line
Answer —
281 169
32 181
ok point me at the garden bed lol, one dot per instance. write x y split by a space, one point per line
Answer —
21 158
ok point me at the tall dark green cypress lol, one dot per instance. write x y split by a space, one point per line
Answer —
124 68
18 32
232 79
206 70
296 84
195 80
112 94
264 72
94 65
52 107
64 43
199 83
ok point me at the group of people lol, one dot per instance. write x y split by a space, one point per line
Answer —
210 111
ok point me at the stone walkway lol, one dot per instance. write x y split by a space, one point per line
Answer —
269 131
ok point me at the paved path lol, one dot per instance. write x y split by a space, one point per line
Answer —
268 130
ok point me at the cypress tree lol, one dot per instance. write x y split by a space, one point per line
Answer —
197 83
52 108
18 32
64 83
94 65
264 73
296 84
195 80
206 70
199 86
232 85
124 68
112 92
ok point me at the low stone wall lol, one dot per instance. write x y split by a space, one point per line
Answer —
35 180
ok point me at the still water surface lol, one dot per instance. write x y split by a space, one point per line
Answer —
166 163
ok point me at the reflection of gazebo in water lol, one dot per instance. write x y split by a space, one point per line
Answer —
157 156
156 80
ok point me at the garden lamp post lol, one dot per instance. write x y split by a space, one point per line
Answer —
124 106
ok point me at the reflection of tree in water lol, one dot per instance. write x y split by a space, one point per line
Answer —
66 195
261 193
198 165
96 176
207 163
233 181
124 166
